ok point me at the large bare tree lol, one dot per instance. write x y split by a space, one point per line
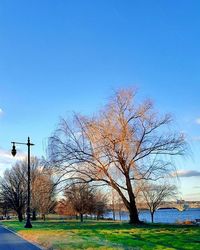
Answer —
124 143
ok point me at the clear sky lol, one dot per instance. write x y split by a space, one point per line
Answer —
60 56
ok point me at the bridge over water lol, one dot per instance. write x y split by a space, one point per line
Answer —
182 205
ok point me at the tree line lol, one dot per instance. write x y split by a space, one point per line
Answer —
77 199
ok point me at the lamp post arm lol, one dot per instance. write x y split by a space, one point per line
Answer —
22 143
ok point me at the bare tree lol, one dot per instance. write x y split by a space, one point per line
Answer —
119 206
14 189
43 195
63 207
155 194
4 207
100 204
82 199
125 142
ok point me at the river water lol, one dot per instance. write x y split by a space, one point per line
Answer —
162 215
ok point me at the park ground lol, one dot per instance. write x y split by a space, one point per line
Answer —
109 235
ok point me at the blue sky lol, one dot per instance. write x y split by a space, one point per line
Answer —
61 56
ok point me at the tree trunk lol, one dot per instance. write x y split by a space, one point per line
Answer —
120 215
133 214
5 211
20 216
113 207
81 217
113 214
34 215
131 205
152 213
43 217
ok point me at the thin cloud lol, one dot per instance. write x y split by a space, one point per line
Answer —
198 121
5 157
192 197
7 160
1 111
188 173
196 138
6 154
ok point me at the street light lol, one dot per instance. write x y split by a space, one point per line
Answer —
14 151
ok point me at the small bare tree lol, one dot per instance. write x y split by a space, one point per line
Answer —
124 143
63 207
100 204
81 197
43 195
155 194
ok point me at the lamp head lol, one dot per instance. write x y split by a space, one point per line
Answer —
13 151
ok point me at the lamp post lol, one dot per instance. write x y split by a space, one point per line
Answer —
14 151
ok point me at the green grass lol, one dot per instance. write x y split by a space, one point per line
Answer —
109 235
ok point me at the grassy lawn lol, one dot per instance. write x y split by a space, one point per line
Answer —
108 235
